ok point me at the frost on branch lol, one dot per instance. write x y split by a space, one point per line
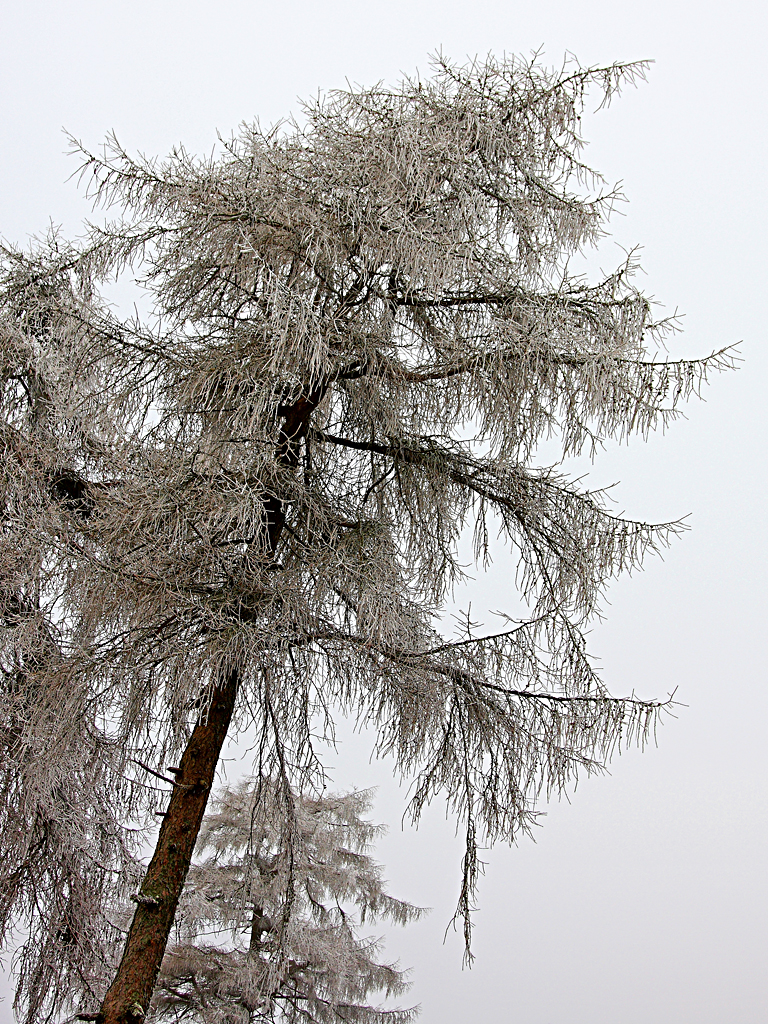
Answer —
269 923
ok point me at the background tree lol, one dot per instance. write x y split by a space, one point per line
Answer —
243 502
293 891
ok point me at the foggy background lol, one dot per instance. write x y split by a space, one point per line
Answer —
644 898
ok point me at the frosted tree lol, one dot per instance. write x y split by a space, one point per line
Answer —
239 507
292 892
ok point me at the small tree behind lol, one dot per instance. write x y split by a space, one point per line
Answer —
293 891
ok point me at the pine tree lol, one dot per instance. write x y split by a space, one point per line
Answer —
292 888
239 507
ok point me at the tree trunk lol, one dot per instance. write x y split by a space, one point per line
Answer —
127 1000
129 995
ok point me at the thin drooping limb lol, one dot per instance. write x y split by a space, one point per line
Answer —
129 996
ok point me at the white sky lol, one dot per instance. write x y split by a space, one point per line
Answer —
644 899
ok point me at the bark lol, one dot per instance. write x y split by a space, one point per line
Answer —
128 998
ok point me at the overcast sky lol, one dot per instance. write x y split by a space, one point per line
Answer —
644 898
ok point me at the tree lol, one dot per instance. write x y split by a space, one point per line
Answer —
293 891
242 503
